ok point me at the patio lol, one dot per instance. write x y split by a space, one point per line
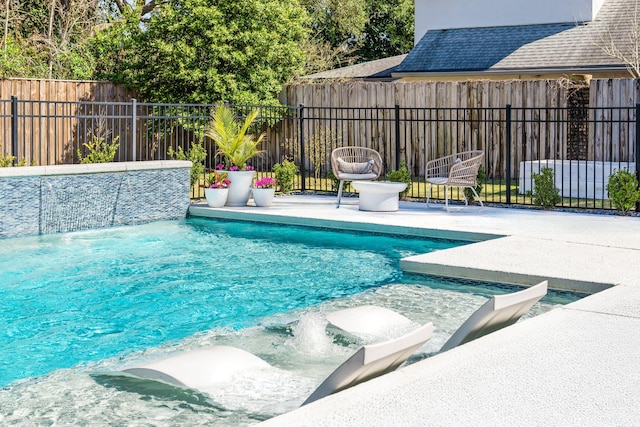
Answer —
575 365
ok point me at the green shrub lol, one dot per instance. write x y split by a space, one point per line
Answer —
285 174
99 151
623 190
401 175
195 155
7 161
335 183
482 178
545 193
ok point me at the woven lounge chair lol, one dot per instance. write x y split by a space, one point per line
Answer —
499 312
202 369
456 170
355 164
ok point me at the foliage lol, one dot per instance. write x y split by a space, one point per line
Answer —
344 32
389 30
114 48
48 38
285 175
481 179
319 142
7 161
217 180
545 193
195 155
265 182
401 175
99 150
205 51
335 183
623 190
231 136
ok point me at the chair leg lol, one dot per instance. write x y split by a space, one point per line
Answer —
464 196
446 197
340 192
477 196
429 194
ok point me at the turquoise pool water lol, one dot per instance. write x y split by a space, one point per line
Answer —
86 296
77 304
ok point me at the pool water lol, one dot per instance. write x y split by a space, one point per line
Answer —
79 304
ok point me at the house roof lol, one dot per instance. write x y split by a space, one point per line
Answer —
528 48
380 69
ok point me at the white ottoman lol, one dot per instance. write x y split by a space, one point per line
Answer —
379 196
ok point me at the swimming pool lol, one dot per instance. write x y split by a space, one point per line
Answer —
121 294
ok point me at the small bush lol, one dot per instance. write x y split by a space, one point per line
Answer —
335 183
401 175
285 175
7 161
545 193
195 155
482 178
623 190
99 151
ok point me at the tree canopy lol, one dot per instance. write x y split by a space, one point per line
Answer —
198 51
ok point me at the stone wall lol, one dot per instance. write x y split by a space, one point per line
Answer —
53 199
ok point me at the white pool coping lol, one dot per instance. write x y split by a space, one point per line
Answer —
576 365
82 169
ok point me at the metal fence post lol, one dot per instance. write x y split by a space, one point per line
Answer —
302 161
134 127
397 108
638 148
508 153
14 128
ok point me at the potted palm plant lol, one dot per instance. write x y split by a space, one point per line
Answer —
263 191
237 147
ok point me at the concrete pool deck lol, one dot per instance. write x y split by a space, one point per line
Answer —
576 365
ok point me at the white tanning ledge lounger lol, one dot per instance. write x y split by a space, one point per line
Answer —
500 311
198 369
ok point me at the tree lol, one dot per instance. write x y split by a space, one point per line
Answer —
140 7
207 51
344 32
619 37
47 38
389 30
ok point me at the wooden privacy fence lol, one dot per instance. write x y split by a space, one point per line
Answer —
515 123
437 118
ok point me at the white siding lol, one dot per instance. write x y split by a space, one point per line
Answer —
444 14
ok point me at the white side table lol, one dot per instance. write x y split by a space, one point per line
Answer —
378 196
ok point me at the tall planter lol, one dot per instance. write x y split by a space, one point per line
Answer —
240 187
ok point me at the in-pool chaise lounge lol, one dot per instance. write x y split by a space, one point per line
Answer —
500 311
199 369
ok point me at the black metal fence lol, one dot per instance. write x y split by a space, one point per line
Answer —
582 145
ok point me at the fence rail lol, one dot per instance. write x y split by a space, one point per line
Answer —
583 145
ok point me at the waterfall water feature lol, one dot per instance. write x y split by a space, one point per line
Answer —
61 198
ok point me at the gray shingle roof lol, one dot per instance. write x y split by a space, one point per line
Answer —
379 69
523 48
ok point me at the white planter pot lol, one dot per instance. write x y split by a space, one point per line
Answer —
240 187
263 196
216 197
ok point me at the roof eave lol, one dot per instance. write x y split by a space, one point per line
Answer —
512 71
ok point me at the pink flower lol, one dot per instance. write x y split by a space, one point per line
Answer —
234 168
220 166
249 168
266 182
